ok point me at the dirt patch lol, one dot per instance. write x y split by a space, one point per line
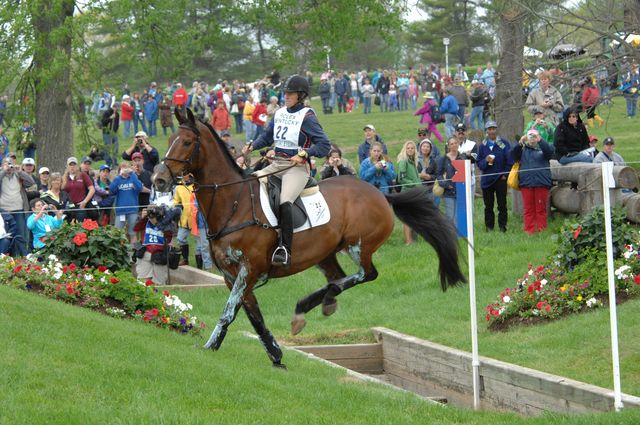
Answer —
347 336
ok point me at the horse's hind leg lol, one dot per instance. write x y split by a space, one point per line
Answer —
366 273
332 271
230 310
252 309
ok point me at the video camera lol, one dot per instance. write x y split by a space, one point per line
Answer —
156 211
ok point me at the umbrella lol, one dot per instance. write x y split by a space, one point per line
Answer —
562 51
530 52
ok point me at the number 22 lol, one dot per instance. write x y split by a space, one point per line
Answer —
283 130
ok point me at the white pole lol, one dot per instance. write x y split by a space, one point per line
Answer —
607 182
446 57
475 362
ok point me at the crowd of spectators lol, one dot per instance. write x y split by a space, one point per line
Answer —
118 192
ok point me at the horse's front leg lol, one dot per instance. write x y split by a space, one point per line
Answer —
230 309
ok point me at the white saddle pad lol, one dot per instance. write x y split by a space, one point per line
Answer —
315 204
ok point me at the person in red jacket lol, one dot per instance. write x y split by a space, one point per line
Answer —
126 115
180 98
220 120
260 117
590 100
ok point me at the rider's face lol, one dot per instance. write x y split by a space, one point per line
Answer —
290 99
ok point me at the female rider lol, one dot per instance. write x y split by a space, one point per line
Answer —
297 135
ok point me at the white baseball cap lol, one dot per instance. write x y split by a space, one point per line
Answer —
28 161
43 170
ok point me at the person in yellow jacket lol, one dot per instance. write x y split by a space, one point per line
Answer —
182 197
247 119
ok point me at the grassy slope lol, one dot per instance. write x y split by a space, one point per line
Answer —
73 366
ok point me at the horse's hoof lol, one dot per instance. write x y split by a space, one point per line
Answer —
297 324
329 309
280 366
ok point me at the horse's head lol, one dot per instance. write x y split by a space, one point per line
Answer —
182 156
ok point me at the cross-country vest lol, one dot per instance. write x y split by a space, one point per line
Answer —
286 128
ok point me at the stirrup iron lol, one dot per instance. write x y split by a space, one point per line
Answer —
280 251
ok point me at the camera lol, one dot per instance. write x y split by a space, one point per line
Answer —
155 211
383 163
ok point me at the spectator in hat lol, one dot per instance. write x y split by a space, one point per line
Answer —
534 154
29 167
103 197
14 185
607 154
370 136
545 128
149 153
43 179
226 138
79 188
426 117
547 97
85 167
495 161
126 187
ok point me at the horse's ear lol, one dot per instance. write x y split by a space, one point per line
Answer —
180 116
190 117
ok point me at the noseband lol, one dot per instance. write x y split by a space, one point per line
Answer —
189 161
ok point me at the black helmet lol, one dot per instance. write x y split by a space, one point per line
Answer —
296 83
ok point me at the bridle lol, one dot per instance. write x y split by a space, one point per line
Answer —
189 161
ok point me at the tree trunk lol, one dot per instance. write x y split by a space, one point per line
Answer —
509 102
52 59
632 16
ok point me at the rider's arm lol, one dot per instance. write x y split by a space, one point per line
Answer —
265 139
320 144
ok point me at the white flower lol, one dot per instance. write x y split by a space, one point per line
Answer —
530 272
88 277
52 257
506 299
592 302
57 275
543 282
502 309
628 254
620 273
193 320
189 306
168 301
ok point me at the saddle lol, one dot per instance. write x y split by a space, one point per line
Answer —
274 187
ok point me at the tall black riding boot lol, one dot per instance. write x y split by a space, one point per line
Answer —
199 261
185 255
282 254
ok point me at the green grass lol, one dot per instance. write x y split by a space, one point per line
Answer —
61 364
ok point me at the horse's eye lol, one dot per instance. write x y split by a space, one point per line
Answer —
187 143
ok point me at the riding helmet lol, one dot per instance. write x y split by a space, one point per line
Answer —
296 83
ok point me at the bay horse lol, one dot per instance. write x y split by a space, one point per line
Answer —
241 240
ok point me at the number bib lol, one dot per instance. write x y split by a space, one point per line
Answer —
153 235
286 128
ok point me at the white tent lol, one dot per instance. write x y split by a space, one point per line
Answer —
530 52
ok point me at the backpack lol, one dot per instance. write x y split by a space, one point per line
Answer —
436 115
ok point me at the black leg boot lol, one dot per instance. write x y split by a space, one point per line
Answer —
199 261
185 255
282 254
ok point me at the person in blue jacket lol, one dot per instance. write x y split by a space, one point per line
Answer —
40 223
376 170
151 115
495 161
449 108
126 187
534 177
298 136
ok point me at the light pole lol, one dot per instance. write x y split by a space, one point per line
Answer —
445 41
328 49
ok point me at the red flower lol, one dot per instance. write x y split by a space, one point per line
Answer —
73 267
89 224
80 239
65 269
69 289
138 312
488 317
540 305
115 280
530 289
576 233
165 293
102 269
17 269
149 282
154 312
636 279
165 319
547 308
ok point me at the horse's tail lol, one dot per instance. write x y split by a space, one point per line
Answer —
415 209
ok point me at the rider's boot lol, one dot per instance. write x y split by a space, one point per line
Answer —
282 254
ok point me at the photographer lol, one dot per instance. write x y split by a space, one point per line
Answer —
14 184
40 223
149 153
157 222
334 166
126 187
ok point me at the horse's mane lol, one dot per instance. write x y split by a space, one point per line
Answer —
225 151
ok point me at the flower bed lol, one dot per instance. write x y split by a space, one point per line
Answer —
576 279
117 294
